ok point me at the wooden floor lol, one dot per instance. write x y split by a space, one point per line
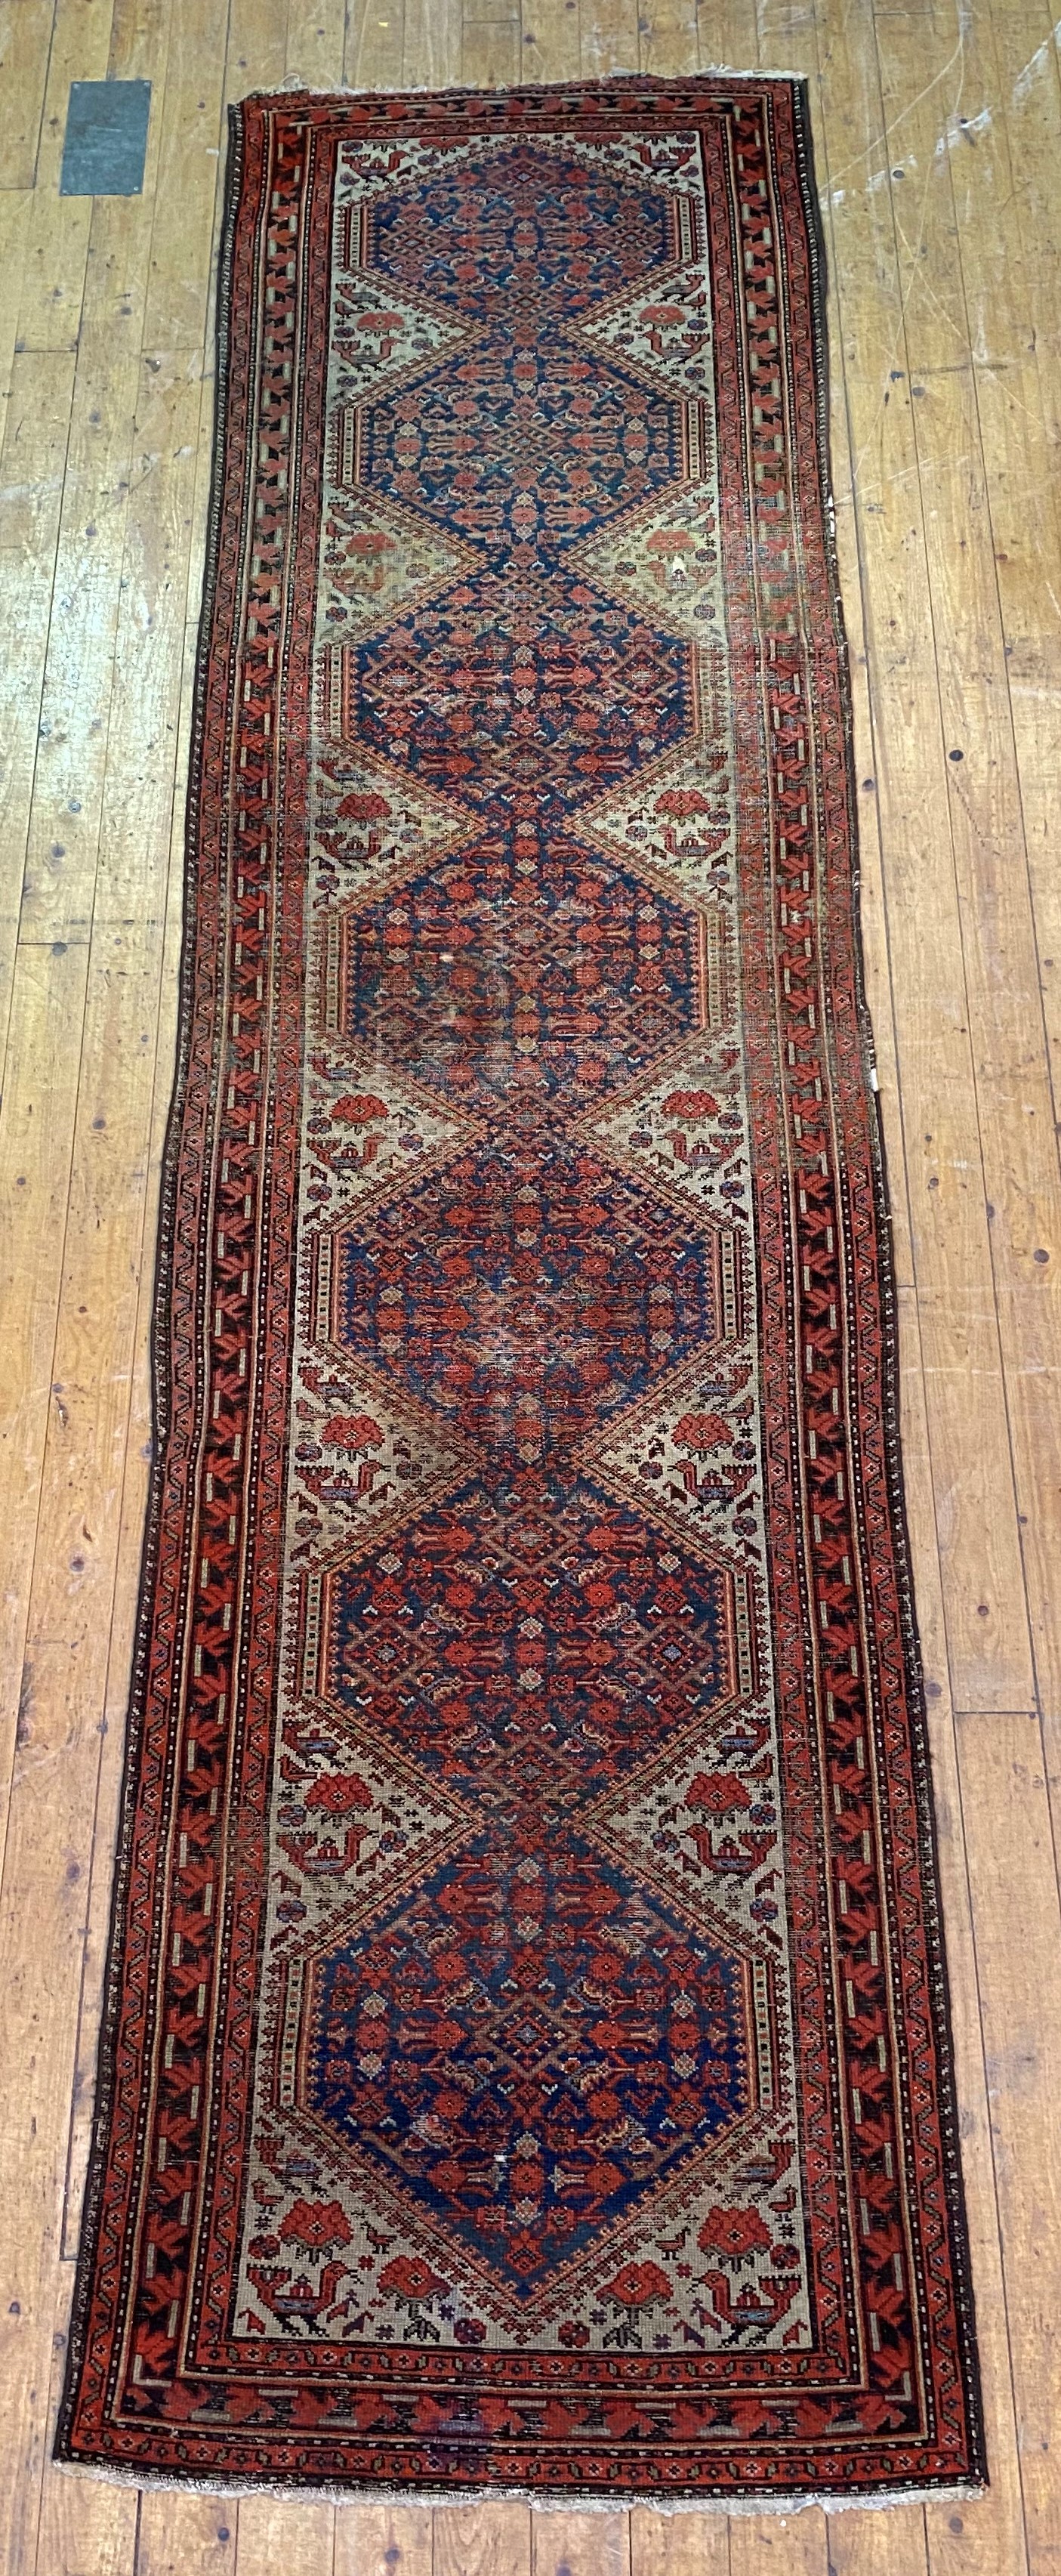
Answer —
939 158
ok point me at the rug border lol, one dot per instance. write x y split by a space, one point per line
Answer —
161 1322
973 2480
891 1388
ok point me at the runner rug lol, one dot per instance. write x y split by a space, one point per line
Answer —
525 2061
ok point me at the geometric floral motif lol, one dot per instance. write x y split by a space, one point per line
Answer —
376 562
525 967
619 1641
490 235
365 1127
377 336
526 461
665 561
530 2046
527 1303
371 828
665 334
685 1129
676 824
549 715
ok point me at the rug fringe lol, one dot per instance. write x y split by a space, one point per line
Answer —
506 89
617 2500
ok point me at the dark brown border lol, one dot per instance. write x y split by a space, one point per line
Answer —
160 1342
917 1706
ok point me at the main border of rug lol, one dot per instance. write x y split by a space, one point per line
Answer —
746 2477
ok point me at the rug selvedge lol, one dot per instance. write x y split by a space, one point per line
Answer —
540 2039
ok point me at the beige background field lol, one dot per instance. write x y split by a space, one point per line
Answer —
938 131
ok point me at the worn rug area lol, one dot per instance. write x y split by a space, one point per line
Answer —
525 2061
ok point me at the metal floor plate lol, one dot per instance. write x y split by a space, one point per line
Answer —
106 139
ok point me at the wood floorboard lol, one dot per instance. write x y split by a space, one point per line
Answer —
25 45
937 134
56 254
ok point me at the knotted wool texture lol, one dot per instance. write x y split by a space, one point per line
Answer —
525 2063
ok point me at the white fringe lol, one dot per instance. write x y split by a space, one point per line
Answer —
505 89
617 2500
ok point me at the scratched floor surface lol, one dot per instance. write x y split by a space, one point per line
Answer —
938 131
